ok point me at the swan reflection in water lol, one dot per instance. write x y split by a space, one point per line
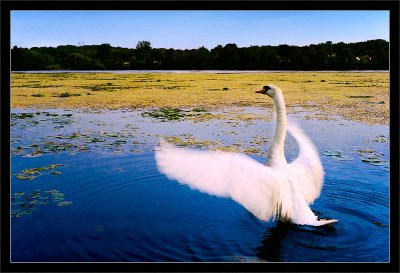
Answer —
276 190
271 248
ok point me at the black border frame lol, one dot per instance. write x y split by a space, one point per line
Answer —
8 5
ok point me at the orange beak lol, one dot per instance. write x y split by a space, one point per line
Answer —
260 91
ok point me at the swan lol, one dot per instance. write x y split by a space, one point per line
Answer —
276 190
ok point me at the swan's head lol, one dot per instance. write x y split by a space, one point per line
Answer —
269 90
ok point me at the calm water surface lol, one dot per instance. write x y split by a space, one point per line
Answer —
106 201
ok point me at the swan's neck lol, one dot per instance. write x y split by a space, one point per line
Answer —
276 152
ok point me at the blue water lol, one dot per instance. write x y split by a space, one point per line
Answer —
114 205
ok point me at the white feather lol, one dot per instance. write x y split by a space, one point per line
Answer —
222 174
277 190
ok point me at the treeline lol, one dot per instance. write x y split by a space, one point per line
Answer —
369 55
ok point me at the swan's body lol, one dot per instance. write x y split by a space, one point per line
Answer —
277 190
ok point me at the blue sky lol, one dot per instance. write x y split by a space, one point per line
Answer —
193 29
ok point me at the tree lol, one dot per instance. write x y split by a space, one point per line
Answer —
372 54
229 57
143 53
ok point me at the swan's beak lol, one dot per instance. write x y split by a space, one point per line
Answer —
260 91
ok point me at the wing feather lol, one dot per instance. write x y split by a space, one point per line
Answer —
224 174
307 166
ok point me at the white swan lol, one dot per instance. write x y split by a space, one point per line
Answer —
277 190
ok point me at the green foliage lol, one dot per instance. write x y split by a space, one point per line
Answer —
25 204
30 174
372 54
102 87
170 114
66 95
165 113
22 115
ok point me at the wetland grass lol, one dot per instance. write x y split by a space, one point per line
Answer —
356 96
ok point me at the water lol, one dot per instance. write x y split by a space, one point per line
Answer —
108 202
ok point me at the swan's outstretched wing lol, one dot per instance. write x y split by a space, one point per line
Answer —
307 166
223 174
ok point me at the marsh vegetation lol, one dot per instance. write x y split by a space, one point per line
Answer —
357 96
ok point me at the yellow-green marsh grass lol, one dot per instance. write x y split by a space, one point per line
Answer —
356 96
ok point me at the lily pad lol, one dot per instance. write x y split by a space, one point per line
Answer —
119 142
34 154
170 114
381 138
371 160
22 115
379 224
97 140
17 213
199 110
25 204
64 203
100 228
32 173
376 161
75 135
165 113
20 193
23 177
338 155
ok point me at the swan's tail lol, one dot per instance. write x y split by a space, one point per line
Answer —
323 222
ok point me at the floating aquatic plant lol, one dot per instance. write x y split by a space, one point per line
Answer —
119 142
199 109
381 138
75 135
64 203
22 115
165 113
32 173
373 158
338 155
95 139
252 150
169 114
27 120
379 224
73 142
23 177
100 228
187 140
36 153
25 204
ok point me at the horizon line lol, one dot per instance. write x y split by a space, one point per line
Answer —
82 45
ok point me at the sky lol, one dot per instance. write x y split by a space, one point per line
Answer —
193 29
